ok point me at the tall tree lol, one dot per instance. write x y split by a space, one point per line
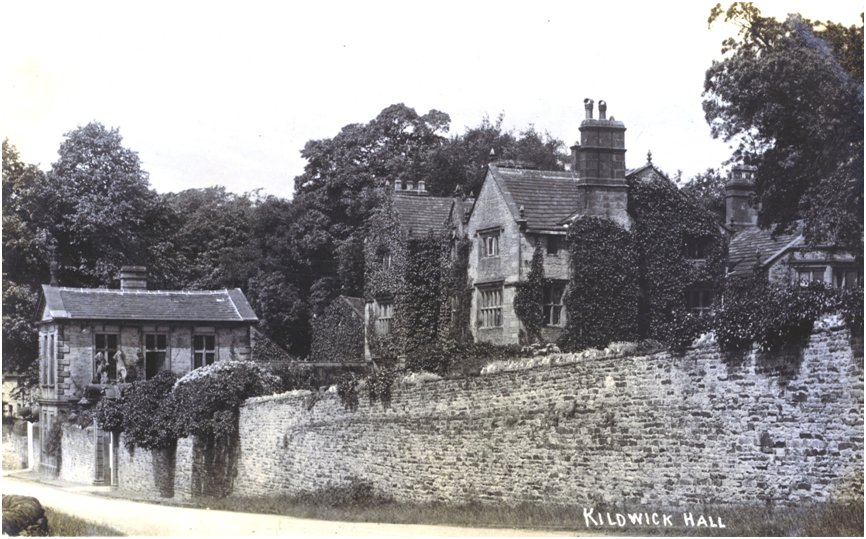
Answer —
94 207
708 189
791 94
25 265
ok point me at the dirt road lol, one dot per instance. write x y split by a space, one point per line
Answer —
136 518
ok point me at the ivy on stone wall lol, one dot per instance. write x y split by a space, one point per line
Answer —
338 334
679 247
776 316
601 302
529 299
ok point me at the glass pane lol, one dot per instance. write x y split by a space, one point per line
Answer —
209 342
160 342
198 342
112 341
148 342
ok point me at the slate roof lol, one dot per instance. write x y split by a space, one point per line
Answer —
757 244
157 305
548 197
357 304
422 214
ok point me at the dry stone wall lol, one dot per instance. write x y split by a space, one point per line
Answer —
647 429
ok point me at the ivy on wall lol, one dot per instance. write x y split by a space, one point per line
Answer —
679 247
601 302
529 299
338 334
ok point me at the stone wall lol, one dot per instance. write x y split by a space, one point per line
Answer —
137 469
14 445
646 429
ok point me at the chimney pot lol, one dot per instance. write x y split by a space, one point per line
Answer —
602 110
587 105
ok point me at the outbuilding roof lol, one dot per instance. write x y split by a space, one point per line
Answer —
759 246
60 303
420 215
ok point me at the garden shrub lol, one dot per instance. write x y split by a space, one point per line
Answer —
347 390
148 414
338 334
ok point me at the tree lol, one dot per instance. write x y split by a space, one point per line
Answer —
94 207
25 265
708 189
461 162
791 94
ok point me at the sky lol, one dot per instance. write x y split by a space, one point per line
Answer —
228 93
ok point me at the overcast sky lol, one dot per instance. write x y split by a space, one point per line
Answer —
219 93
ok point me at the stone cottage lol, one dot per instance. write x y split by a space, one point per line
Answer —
781 258
92 339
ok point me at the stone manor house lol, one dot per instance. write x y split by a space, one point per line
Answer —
519 208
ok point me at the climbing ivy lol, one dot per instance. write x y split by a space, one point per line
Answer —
529 299
679 246
601 304
338 334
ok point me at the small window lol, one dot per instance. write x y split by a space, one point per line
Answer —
490 245
384 314
49 364
810 275
104 365
203 350
699 301
846 278
155 350
553 293
696 248
554 245
386 260
490 307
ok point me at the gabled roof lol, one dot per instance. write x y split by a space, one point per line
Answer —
547 197
356 304
755 245
420 215
154 305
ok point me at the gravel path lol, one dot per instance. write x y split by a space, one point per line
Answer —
137 518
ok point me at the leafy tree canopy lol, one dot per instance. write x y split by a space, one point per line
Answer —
791 94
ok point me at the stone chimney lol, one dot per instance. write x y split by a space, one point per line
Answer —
740 208
599 162
133 278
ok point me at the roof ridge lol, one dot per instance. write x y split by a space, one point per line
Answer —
135 291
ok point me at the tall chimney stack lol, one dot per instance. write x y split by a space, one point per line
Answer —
740 208
133 278
599 163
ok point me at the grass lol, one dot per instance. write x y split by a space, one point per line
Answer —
63 525
358 503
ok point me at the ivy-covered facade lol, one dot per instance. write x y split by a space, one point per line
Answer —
413 275
670 251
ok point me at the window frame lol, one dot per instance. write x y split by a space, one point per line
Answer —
48 373
204 351
109 357
812 271
384 316
490 302
490 243
551 307
701 307
156 351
